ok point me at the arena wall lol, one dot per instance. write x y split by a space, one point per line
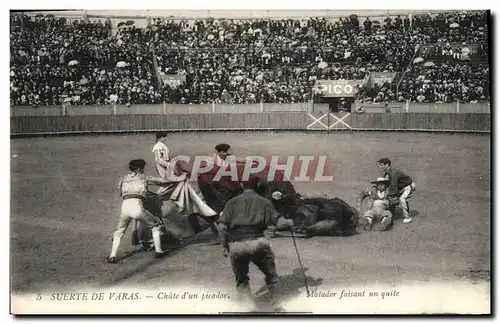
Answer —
168 109
276 121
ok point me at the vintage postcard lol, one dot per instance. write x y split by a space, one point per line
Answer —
250 162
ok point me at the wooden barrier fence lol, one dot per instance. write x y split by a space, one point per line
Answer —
258 108
284 121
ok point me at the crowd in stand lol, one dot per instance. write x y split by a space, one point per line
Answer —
440 83
53 61
238 61
446 83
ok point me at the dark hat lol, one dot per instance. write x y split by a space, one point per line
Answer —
384 161
222 147
161 134
136 164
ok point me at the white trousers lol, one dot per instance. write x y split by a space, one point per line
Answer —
378 214
405 196
134 209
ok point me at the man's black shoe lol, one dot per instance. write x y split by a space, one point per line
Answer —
160 254
111 260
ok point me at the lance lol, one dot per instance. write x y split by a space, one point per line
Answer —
300 262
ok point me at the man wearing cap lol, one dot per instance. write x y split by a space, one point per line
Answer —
220 191
401 187
133 189
242 225
226 186
379 204
221 153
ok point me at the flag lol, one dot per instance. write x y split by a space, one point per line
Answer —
367 82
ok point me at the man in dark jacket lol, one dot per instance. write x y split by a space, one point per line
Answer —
242 225
401 187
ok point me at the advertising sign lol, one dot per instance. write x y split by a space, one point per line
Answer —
380 78
337 88
173 80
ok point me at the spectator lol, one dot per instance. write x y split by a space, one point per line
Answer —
446 83
240 61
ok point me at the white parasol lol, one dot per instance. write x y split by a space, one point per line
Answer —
418 60
322 65
121 64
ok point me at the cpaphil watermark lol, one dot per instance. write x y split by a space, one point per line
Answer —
298 168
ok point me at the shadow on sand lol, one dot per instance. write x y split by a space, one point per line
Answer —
399 213
289 288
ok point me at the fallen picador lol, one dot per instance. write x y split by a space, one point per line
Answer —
305 216
310 216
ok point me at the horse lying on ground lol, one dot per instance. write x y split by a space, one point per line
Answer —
308 216
322 216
